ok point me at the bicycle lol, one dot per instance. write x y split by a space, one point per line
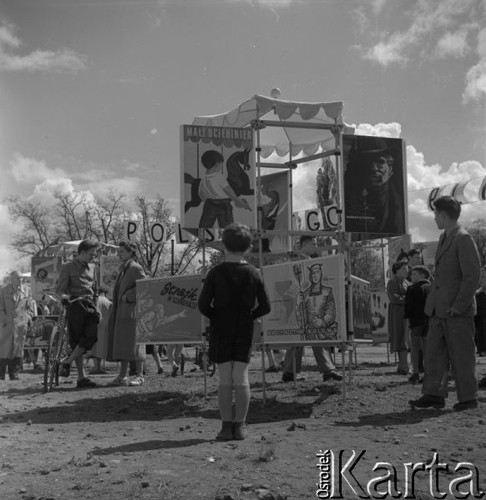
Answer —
58 347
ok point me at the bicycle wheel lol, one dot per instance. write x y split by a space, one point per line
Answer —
55 350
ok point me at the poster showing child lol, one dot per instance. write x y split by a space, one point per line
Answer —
166 310
44 275
109 267
308 301
217 177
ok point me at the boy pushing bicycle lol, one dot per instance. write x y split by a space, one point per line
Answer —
77 290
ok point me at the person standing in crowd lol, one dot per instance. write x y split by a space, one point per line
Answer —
15 315
415 298
228 298
307 314
451 307
99 350
77 281
122 344
396 289
480 317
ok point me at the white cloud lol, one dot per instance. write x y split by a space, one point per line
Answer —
476 76
452 45
36 60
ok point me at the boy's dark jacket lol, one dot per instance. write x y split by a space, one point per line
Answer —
415 302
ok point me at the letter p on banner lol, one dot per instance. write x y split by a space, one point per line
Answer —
130 228
158 233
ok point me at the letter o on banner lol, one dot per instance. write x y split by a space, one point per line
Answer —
158 233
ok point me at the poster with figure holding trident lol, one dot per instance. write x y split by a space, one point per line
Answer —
308 301
217 177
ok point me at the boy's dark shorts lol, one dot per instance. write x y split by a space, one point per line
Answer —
82 319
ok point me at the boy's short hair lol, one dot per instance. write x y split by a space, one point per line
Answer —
414 251
449 205
398 265
210 158
87 245
423 270
237 237
129 246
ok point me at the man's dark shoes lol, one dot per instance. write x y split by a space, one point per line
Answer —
334 375
482 383
466 405
414 378
287 377
85 383
428 401
64 369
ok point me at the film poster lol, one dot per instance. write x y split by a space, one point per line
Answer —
217 177
44 275
308 301
166 310
361 308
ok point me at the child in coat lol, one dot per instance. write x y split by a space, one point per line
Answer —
233 297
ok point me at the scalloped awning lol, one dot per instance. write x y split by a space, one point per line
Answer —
279 140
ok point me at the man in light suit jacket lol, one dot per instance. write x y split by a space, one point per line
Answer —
451 306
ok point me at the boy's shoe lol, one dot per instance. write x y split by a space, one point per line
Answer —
333 374
239 431
466 405
415 377
85 383
136 382
175 369
226 432
428 401
64 369
272 369
160 371
118 381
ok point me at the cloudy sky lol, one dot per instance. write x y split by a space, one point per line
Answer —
92 92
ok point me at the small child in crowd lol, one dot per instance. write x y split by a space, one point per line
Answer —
414 310
233 297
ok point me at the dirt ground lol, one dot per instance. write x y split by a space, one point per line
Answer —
157 441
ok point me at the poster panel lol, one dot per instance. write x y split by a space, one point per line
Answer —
167 311
109 267
44 275
274 197
217 177
308 301
375 203
361 308
379 316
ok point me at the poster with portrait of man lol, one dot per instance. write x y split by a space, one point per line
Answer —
308 301
217 177
375 194
44 275
166 310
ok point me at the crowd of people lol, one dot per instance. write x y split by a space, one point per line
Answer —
439 319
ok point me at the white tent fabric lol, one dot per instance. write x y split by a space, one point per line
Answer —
282 140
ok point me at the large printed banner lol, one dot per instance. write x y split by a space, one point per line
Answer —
361 308
465 192
308 301
217 177
167 311
375 201
44 275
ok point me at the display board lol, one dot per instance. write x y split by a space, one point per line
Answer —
375 195
44 275
217 176
308 301
379 316
360 308
167 311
